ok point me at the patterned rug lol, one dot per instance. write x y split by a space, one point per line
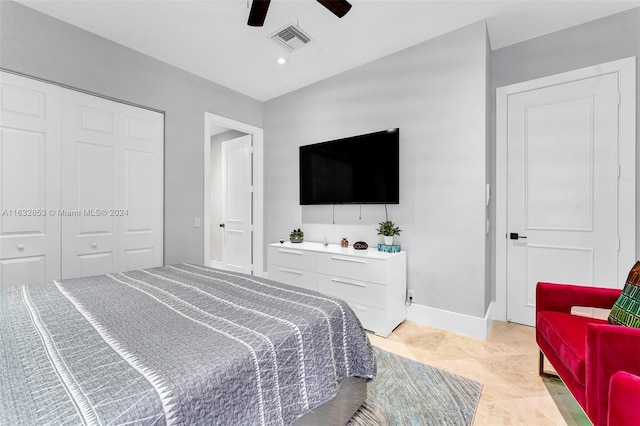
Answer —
406 392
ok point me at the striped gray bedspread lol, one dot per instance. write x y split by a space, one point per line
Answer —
177 344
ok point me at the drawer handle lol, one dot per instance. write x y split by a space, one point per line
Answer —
291 271
348 259
20 247
343 281
299 253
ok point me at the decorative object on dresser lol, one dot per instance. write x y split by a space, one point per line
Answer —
388 229
344 243
296 236
393 248
360 245
372 282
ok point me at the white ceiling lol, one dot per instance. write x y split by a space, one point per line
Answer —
210 38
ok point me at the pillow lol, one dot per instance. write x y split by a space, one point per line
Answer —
626 310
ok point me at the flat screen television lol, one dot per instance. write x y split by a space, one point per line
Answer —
361 169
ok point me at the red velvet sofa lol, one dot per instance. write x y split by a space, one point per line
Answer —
624 399
586 352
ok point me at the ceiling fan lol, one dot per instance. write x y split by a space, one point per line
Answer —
259 8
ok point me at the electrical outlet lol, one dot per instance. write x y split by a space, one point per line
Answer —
411 294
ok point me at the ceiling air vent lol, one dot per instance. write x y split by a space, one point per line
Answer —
291 37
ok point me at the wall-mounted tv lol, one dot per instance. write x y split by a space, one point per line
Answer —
362 169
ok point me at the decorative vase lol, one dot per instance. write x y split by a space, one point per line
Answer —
388 240
344 243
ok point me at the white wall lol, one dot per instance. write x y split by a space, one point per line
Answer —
435 93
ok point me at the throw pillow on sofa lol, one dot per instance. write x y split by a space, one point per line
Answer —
626 310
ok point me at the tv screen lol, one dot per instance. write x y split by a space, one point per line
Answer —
361 169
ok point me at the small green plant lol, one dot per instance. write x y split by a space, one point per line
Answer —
388 229
296 233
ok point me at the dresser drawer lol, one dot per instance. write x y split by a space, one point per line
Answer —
356 267
292 276
372 319
292 258
357 291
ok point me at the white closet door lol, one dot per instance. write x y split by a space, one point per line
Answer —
29 181
81 184
140 189
89 185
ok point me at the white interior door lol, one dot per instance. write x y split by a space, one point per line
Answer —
237 204
140 189
29 181
562 189
89 185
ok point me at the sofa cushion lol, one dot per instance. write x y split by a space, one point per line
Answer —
626 310
566 334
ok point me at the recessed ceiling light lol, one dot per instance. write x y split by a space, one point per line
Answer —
282 60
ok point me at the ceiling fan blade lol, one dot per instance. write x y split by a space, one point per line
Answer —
258 12
337 7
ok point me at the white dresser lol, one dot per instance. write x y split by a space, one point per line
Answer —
372 282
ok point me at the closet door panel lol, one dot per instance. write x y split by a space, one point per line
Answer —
29 181
141 189
89 185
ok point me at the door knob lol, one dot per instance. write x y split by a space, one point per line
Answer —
515 236
222 225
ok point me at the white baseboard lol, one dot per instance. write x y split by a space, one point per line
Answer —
452 321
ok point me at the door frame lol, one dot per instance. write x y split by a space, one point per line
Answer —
210 120
627 161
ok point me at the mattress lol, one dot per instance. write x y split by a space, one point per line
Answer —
180 344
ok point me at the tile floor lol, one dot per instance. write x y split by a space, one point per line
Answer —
506 364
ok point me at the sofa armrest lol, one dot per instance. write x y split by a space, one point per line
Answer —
624 399
561 297
609 349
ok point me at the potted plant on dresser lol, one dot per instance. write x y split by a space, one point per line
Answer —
388 229
296 236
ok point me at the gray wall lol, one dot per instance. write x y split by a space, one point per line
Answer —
40 46
436 94
607 39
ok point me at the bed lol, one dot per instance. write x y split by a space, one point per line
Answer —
181 344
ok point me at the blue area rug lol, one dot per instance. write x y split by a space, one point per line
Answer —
406 392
